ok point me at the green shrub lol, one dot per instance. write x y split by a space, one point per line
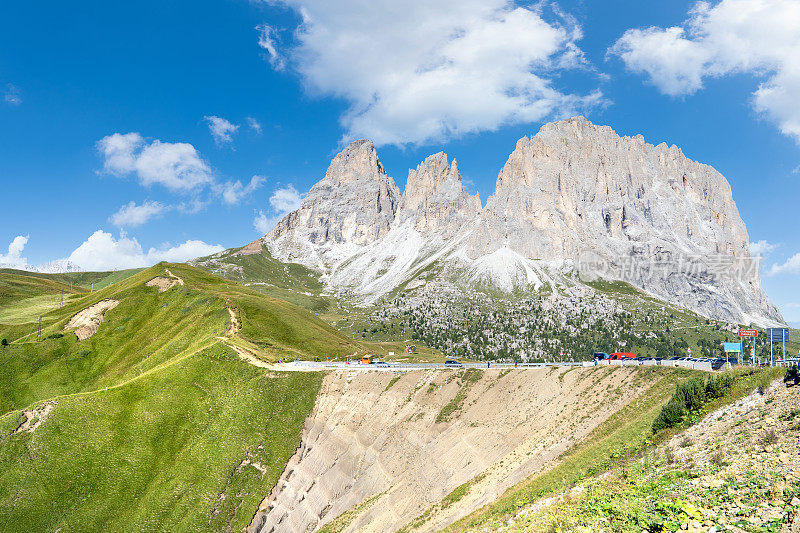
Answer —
690 397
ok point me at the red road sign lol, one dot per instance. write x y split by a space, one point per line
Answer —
748 333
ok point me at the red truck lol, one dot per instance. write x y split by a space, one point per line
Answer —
616 356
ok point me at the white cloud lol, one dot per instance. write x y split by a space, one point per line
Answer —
757 37
267 39
221 129
283 201
14 257
12 95
177 166
761 248
427 71
790 266
234 191
101 251
254 125
131 215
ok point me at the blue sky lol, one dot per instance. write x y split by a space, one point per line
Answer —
293 80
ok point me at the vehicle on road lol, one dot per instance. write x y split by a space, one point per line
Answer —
453 363
617 356
381 363
716 364
601 356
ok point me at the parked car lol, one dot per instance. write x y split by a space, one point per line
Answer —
716 364
381 363
601 356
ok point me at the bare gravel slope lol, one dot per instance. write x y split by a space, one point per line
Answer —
386 448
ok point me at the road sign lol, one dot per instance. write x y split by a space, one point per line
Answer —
777 334
748 333
733 347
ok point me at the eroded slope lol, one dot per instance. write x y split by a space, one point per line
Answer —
388 447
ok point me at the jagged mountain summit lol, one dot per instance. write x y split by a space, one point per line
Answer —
573 203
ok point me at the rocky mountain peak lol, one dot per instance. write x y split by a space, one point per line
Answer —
436 196
355 204
572 191
357 162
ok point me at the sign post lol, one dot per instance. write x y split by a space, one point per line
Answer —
744 333
733 347
777 335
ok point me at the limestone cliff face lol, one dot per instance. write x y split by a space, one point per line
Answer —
575 184
355 203
574 198
436 199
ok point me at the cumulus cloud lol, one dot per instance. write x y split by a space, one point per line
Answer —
427 71
267 39
221 129
131 215
101 251
757 37
282 202
790 266
14 257
234 191
254 125
761 248
176 166
12 95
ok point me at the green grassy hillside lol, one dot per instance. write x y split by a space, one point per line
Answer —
156 424
261 272
84 280
618 442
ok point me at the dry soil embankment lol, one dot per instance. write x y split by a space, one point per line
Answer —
376 438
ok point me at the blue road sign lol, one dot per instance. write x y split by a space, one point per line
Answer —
777 334
733 347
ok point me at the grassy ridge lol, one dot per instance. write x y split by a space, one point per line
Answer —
156 453
148 329
79 280
157 424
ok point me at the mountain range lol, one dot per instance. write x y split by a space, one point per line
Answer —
574 203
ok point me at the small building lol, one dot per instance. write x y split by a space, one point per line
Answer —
368 359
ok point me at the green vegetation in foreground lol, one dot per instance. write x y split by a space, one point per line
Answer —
159 452
157 424
623 437
690 397
650 492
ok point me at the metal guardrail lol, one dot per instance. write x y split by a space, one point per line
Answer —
337 365
693 365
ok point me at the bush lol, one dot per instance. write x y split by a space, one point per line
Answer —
690 396
4 342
